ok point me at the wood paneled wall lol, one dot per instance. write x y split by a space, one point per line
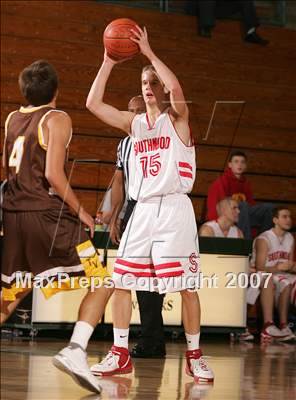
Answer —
69 35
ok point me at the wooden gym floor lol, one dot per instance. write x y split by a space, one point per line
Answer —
243 371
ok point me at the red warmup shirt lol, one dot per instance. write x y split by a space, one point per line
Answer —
227 185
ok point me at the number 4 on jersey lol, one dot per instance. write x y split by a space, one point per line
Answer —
16 155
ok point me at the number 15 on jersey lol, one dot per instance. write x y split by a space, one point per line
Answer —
150 165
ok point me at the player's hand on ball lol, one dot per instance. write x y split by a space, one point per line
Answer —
87 220
110 60
141 38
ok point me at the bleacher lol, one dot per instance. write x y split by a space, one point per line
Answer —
69 35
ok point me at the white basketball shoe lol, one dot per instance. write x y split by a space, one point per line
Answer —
73 361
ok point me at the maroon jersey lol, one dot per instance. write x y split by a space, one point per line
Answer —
25 160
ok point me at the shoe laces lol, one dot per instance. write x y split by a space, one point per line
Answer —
203 364
109 359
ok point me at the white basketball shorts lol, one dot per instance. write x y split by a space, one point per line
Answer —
280 280
159 248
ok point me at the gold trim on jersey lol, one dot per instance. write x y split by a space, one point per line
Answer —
41 137
7 121
26 110
69 141
40 130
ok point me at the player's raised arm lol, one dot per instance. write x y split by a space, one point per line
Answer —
95 103
168 78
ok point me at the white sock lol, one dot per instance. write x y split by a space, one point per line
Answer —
82 333
251 30
192 341
121 337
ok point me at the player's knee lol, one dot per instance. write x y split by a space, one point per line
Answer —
188 295
267 285
122 293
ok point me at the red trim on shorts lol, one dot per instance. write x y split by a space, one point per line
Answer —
133 265
185 165
167 265
170 274
137 274
186 174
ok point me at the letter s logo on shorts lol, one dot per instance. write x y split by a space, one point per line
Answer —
193 260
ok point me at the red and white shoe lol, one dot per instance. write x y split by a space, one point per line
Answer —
116 387
197 367
246 336
288 334
270 332
117 361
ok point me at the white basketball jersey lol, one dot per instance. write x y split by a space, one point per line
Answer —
232 233
279 249
162 163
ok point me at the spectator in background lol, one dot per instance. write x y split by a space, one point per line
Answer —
224 226
273 252
234 184
208 10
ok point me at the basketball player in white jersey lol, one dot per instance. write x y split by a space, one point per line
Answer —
273 253
159 248
228 214
224 226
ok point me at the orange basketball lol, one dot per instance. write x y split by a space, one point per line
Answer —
117 39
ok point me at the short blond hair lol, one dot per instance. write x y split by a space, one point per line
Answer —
222 203
149 67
